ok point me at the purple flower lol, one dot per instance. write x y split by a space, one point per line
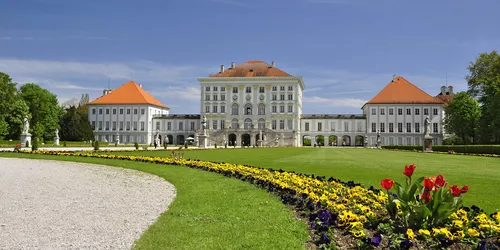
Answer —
377 238
324 239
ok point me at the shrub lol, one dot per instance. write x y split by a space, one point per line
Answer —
34 145
136 145
404 147
64 144
145 147
215 145
116 144
96 145
165 145
185 145
467 149
225 145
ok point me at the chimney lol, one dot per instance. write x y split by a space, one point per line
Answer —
105 92
450 90
222 68
443 90
232 65
273 64
140 86
393 77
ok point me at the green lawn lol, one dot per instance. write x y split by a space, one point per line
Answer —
368 166
211 211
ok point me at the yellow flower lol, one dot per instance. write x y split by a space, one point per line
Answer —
458 223
424 232
497 217
473 232
459 234
484 227
410 234
358 233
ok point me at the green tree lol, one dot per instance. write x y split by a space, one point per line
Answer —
15 117
484 83
8 92
462 117
75 125
44 109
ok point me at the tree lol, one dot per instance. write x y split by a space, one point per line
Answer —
44 109
75 125
8 93
462 117
484 83
15 117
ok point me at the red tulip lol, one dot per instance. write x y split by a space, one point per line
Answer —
440 181
464 189
428 184
387 183
455 191
426 196
409 170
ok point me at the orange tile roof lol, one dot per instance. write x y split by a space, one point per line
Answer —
251 69
128 93
402 91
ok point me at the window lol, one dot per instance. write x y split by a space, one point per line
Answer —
157 125
426 111
400 127
374 111
222 124
93 125
121 111
135 126
290 124
262 109
360 126
181 126
100 111
93 111
282 97
274 108
214 124
262 123
223 109
207 97
215 97
400 111
222 88
391 127
435 127
214 109
235 108
135 111
143 111
408 140
107 125
234 124
248 109
290 97
215 88
408 127
282 108
107 111
235 89
382 127
128 111
207 109
417 111
261 90
290 108
382 111
274 98
290 88
192 126
307 126
114 111
121 125
408 111
128 126
275 88
435 111
169 125
346 126
417 127
100 125
282 124
114 125
207 88
248 90
282 88
374 127
222 97
273 126
320 126
391 111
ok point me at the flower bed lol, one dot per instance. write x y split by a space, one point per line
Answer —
347 215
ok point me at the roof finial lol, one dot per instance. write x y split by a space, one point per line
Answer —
393 77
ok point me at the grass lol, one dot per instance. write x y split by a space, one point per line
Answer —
211 211
368 166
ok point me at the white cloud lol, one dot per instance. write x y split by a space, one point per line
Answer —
335 102
188 94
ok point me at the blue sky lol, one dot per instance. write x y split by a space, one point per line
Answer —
346 50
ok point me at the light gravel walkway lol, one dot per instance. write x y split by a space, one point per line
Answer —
66 205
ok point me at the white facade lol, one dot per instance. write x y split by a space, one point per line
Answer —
130 123
337 130
177 128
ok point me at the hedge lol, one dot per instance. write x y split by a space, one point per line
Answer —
473 149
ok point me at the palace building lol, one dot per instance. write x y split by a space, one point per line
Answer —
256 102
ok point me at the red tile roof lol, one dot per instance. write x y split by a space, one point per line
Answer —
445 98
402 91
251 69
128 93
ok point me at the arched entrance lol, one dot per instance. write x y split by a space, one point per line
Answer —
180 139
245 140
170 139
307 140
333 140
359 141
346 140
320 140
231 140
257 138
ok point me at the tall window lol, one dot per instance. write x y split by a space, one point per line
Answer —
121 111
100 125
261 89
215 97
93 111
248 123
107 125
282 88
114 111
435 111
382 111
214 124
169 126
408 111
290 124
222 124
135 111
114 125
374 127
157 125
207 109
282 124
274 108
248 109
143 111
222 97
215 88
135 126
391 127
307 126
223 109
282 97
435 127
222 88
107 111
207 88
320 126
282 108
273 126
408 127
128 111
346 126
290 88
290 97
426 111
262 109
214 109
290 108
274 98
275 88
128 126
142 126
374 111
249 89
93 125
234 124
181 126
400 127
192 126
400 111
235 108
262 123
235 89
207 97
417 111
391 111
417 127
382 127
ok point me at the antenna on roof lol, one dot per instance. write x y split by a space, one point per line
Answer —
447 79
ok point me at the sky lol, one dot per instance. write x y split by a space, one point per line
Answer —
345 50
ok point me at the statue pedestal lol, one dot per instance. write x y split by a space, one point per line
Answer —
25 137
378 145
427 143
203 142
56 140
259 143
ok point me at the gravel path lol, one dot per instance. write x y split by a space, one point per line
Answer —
66 205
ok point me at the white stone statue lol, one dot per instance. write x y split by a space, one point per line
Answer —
26 126
57 133
427 127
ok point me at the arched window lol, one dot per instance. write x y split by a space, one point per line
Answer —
248 123
262 124
248 109
235 108
262 109
234 124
